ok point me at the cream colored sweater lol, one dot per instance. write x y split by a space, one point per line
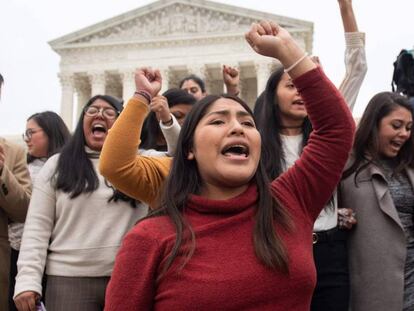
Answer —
71 237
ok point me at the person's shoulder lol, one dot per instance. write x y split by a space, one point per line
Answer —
11 145
158 228
52 161
49 168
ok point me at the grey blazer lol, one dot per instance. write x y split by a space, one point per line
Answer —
377 245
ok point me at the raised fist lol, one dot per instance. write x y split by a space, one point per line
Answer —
148 80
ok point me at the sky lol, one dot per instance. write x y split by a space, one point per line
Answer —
30 67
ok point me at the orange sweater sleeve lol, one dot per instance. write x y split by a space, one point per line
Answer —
138 176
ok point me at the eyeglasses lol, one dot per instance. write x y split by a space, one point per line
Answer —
109 113
27 135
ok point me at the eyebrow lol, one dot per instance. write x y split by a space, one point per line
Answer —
32 130
102 107
401 120
239 113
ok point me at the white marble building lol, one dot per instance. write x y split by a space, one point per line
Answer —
177 36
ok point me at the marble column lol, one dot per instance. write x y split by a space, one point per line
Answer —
199 70
263 71
128 84
165 74
66 106
83 91
98 82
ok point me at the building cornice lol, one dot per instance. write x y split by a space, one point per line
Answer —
100 29
166 42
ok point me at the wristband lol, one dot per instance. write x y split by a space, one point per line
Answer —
168 123
296 63
144 94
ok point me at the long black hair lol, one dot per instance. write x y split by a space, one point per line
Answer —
75 173
366 149
269 124
184 179
55 129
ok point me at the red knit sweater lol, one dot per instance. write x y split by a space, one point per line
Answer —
224 273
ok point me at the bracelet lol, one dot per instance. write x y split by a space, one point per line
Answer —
168 123
144 94
297 62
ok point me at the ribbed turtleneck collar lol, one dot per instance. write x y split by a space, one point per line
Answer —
93 154
233 205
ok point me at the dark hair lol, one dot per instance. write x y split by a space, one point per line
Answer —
75 173
196 79
258 105
184 179
269 124
366 143
151 129
54 128
1 80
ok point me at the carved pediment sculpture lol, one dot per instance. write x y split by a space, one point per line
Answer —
171 19
176 20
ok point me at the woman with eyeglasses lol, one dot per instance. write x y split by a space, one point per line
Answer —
76 221
45 135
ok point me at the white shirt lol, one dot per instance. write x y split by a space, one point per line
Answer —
171 133
356 68
292 147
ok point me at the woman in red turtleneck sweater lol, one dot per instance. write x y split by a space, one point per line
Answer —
224 237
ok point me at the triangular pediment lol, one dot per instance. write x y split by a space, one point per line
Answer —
170 19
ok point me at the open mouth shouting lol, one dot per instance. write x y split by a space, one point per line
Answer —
236 151
299 103
99 130
97 124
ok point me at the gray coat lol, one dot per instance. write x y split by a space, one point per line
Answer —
377 245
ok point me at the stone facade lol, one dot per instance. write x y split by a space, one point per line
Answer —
177 36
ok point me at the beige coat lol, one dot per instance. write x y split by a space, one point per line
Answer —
377 245
15 188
